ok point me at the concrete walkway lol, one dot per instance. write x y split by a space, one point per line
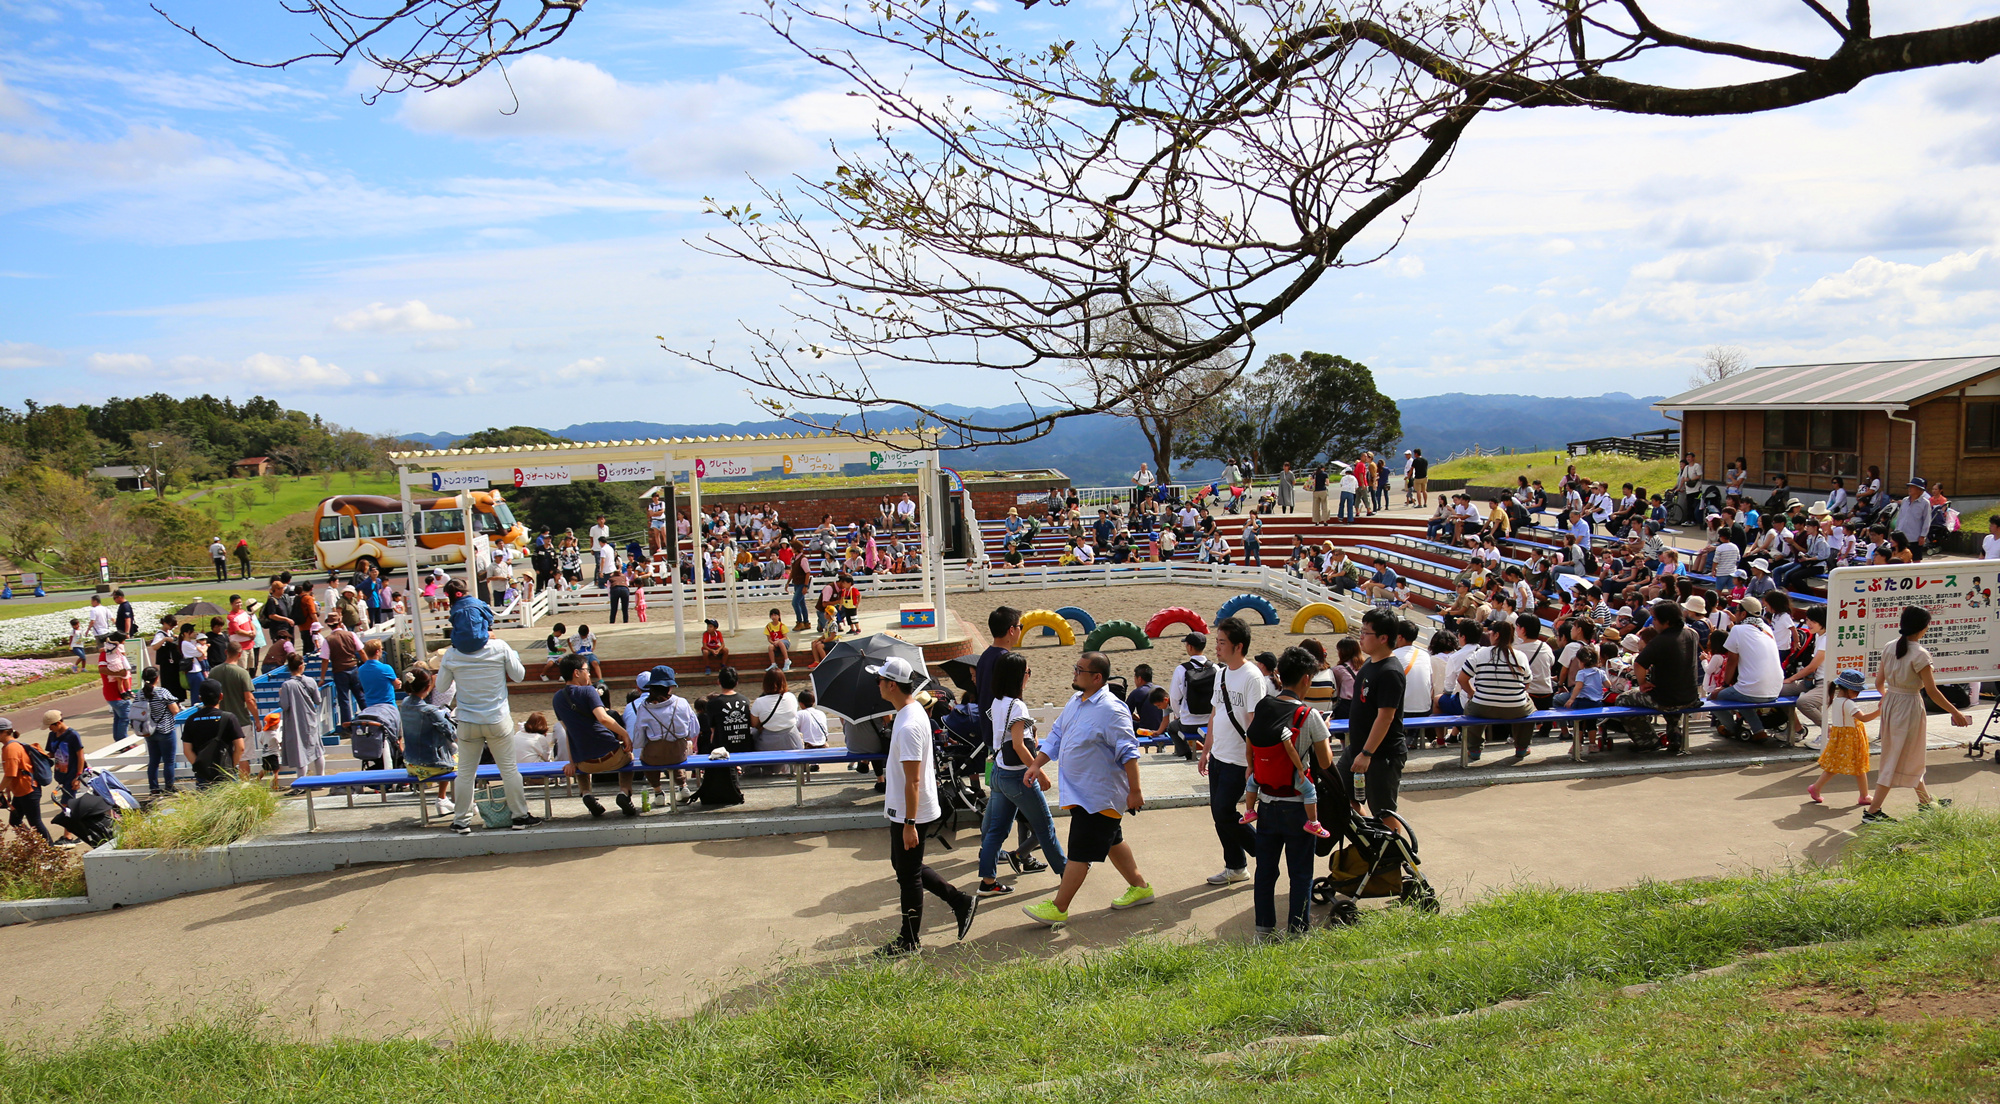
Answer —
526 944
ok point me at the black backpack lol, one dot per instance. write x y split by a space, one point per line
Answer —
1199 685
40 766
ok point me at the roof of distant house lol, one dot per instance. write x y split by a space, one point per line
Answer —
253 460
119 471
1861 385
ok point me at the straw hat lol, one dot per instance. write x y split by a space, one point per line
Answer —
1696 605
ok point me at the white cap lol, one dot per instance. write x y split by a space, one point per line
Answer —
897 670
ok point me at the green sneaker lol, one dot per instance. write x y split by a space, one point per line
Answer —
1134 896
1934 806
1046 912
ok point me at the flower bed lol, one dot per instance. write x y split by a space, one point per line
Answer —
44 632
14 672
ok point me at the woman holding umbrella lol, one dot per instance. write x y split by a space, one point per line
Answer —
912 807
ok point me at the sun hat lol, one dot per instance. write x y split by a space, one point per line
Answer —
1818 509
1850 679
1696 605
1917 481
1752 607
1761 564
661 675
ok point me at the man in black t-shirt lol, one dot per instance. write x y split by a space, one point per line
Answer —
1375 742
1665 677
1420 479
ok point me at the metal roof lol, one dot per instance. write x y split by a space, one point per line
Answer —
1863 385
723 445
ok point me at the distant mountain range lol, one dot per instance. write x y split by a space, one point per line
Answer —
1104 449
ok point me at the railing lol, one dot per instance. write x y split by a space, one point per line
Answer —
1652 445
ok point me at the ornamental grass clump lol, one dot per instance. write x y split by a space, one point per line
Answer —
216 816
32 867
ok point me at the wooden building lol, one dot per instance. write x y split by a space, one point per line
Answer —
1937 418
252 466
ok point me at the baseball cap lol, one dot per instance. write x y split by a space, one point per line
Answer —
1753 607
1195 640
6 725
897 670
51 717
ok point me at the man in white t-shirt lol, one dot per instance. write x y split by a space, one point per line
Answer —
1225 760
906 513
1416 662
1752 670
1989 547
910 802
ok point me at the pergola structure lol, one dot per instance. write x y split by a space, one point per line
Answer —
448 471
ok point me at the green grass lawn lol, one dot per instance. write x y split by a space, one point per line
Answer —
181 595
60 682
294 495
1491 471
1132 1022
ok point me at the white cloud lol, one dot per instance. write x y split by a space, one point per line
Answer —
20 354
1408 267
121 364
14 107
1730 264
412 316
538 94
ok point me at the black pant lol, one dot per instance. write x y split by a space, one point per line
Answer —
621 598
28 808
221 571
244 562
1384 777
1281 831
913 878
1225 792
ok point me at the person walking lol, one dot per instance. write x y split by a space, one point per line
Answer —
114 676
910 802
1225 757
17 780
1281 820
343 656
1904 678
299 703
1011 797
485 724
1099 788
212 739
1319 494
157 707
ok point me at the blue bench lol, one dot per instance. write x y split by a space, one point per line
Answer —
1451 549
549 773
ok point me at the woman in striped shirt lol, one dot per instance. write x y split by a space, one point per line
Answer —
1495 680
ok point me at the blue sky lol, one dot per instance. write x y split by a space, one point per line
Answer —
169 221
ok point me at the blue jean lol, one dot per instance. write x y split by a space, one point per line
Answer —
121 720
346 691
161 748
1225 789
1346 511
1281 833
1008 796
1731 694
798 605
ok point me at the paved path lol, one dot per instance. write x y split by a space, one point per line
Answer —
525 944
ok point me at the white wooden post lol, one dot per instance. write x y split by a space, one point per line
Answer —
674 554
410 546
694 539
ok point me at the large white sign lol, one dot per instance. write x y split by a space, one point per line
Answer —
813 463
1865 604
541 477
728 467
891 460
631 471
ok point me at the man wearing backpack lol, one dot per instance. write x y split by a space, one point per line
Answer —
1281 835
1191 694
20 778
1225 758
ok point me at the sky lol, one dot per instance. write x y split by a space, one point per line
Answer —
506 252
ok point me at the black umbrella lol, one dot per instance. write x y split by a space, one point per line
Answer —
962 673
843 685
200 609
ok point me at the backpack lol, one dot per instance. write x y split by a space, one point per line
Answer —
40 766
1274 723
1199 685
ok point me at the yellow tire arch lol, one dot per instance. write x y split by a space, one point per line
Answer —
1319 609
1049 619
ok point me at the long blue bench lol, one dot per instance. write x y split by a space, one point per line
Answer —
1451 549
353 781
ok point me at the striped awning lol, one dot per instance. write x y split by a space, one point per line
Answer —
1865 385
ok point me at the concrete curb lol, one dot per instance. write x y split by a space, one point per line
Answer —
45 908
1455 778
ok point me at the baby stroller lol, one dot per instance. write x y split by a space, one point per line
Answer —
962 747
1373 860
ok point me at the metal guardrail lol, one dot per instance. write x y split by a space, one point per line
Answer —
1657 444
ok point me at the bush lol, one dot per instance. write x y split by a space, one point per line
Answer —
213 817
32 867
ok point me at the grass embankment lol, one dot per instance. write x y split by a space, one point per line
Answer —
1499 471
1132 1022
213 817
294 495
251 589
46 686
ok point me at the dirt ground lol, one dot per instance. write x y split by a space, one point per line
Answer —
1049 663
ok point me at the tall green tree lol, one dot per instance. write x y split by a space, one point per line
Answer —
1295 409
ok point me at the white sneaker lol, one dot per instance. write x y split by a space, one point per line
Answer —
1229 875
445 807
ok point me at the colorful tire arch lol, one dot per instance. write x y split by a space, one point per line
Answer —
1249 601
1051 620
1175 615
1319 609
1082 618
1095 641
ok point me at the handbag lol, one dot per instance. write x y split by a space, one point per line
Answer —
493 810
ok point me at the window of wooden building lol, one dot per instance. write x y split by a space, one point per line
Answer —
1820 443
1982 427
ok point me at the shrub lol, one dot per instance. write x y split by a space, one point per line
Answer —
32 867
213 817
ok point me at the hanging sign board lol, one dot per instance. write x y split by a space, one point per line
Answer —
447 482
813 463
1865 604
891 460
541 477
727 467
630 471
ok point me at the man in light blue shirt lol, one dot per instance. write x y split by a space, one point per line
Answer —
1099 784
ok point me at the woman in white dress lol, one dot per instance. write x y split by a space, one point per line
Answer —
1904 679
